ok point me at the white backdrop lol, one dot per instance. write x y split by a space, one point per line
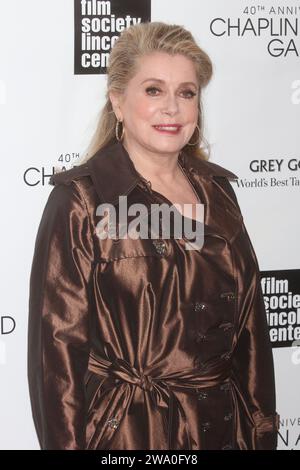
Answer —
48 113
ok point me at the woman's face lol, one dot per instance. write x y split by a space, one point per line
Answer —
163 92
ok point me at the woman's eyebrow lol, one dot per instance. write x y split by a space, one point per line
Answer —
162 81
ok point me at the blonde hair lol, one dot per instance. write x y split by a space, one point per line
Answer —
133 43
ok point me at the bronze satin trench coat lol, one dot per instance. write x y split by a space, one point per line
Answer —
139 344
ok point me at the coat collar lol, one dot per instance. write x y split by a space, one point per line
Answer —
114 174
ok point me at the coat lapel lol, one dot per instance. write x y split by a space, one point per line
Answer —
222 215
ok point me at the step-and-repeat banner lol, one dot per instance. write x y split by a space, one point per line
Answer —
52 80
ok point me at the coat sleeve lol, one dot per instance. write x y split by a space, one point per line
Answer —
58 321
253 367
257 421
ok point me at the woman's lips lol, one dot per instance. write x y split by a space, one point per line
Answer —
174 129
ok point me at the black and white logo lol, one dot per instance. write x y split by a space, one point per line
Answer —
281 290
97 26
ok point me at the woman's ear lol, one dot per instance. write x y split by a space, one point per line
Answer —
115 102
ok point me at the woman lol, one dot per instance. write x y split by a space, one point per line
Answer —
139 343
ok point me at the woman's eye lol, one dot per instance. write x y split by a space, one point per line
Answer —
151 90
189 93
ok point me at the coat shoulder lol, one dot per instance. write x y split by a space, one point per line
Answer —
217 170
221 177
67 176
206 167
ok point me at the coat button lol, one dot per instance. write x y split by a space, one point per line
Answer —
160 246
225 387
228 417
199 306
113 423
200 337
227 447
206 426
226 356
199 364
202 395
229 296
226 326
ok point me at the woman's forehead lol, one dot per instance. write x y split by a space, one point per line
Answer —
165 67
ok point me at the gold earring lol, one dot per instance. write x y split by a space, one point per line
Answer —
117 130
196 143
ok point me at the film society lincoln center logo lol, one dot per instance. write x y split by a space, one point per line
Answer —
97 26
281 291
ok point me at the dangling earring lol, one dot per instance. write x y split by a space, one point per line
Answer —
117 130
196 143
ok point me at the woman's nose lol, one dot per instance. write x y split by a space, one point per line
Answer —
170 105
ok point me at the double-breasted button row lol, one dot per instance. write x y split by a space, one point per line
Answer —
229 296
224 387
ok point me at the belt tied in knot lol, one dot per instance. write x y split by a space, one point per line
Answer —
146 383
161 388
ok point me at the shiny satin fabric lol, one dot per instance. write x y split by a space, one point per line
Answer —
142 344
160 390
